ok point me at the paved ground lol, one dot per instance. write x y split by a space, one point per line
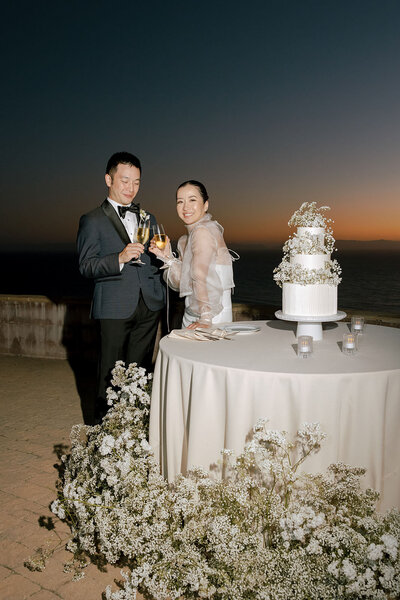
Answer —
39 404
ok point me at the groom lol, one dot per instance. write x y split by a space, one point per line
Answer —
128 297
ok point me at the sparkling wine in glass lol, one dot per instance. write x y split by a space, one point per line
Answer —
160 238
142 236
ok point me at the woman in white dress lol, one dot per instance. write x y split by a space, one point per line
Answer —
202 272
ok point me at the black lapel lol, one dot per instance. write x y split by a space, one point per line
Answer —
116 221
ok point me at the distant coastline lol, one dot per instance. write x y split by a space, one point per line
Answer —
341 245
368 246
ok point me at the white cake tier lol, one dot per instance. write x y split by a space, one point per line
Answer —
310 261
317 231
312 300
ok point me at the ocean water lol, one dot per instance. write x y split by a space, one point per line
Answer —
370 280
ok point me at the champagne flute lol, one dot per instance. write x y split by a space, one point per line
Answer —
160 238
142 236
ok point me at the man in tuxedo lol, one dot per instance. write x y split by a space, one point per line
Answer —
128 297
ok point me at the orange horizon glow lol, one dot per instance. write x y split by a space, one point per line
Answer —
274 235
357 220
343 229
257 222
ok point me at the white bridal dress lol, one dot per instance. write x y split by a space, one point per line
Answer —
202 273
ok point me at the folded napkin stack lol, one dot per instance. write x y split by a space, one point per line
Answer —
202 334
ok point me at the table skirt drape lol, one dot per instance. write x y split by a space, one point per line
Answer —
199 408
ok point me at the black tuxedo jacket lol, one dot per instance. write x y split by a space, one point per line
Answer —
101 237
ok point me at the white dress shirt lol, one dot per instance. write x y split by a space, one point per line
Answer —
130 223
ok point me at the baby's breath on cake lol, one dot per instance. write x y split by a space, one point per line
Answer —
309 243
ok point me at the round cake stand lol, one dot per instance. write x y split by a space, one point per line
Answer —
310 325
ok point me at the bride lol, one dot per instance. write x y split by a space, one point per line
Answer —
202 272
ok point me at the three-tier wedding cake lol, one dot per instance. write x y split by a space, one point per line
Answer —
307 274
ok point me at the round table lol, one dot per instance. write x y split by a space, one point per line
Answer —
208 395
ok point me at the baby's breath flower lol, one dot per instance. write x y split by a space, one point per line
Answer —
308 215
263 532
107 445
391 545
375 552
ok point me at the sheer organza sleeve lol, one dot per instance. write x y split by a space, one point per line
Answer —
206 297
173 266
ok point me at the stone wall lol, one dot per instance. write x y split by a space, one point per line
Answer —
38 327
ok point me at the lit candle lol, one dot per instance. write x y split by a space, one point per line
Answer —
349 345
357 324
350 342
304 346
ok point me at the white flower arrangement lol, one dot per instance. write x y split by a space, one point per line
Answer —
288 273
263 532
309 215
309 243
143 215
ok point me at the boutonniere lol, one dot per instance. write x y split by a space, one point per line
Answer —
143 215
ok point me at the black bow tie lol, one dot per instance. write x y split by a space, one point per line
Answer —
135 208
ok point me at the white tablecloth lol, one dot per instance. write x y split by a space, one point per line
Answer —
208 395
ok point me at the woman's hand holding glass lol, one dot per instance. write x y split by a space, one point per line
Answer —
160 244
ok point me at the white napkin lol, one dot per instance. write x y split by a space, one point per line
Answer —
201 334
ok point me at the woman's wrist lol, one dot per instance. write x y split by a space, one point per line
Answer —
168 257
206 319
167 260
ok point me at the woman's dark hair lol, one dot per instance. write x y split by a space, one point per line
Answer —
200 186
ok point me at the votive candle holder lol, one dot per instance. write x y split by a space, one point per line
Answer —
304 346
357 324
349 343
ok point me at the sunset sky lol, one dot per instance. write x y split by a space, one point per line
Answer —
269 103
